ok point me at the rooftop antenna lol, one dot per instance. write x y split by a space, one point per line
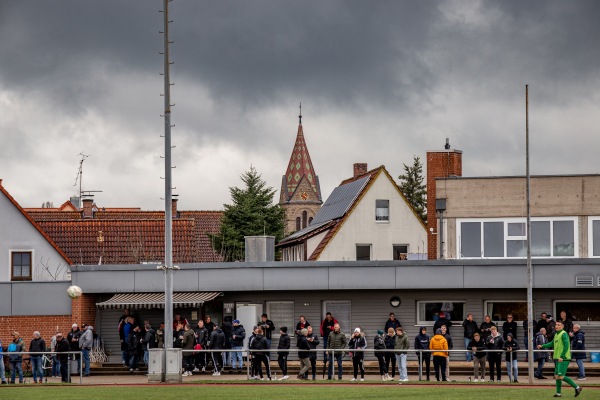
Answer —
79 177
300 116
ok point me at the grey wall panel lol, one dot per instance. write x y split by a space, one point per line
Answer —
149 281
448 277
295 278
341 278
37 298
495 277
5 299
108 282
185 281
221 279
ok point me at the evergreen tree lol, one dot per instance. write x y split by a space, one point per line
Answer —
251 213
411 185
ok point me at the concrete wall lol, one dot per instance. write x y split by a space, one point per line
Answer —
34 298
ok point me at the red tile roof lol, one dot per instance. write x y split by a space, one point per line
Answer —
130 236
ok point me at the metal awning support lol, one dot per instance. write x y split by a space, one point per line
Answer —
156 300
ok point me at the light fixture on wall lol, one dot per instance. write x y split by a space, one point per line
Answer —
395 301
306 304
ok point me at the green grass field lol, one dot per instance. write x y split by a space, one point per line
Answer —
286 391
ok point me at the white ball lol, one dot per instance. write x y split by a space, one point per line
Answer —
74 292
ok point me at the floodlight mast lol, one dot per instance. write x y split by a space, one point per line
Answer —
529 266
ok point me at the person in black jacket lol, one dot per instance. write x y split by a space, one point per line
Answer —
390 343
260 343
477 346
422 341
510 347
313 342
134 347
267 327
470 327
448 338
510 326
148 342
238 334
73 339
442 321
227 328
201 334
486 327
62 347
303 354
37 345
284 343
578 343
494 343
216 342
379 344
358 342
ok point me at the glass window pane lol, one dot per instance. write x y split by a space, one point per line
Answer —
540 238
516 248
580 310
400 252
16 258
282 314
564 238
25 258
382 210
17 271
499 310
470 239
596 237
516 229
429 312
493 239
25 271
363 252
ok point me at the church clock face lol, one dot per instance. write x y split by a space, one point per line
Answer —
304 196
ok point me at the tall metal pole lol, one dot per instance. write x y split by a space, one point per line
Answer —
168 188
529 266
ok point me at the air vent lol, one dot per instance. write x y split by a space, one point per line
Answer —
598 283
584 281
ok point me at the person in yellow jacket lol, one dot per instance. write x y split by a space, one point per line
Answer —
562 357
439 344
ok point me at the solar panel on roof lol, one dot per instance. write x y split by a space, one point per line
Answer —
340 201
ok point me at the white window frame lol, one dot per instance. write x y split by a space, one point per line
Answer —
556 313
278 324
591 236
486 310
506 221
431 323
382 221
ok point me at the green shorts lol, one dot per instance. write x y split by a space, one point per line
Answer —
560 368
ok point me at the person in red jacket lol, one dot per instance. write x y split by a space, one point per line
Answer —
326 328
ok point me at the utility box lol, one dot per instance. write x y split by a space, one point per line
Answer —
156 365
259 248
173 366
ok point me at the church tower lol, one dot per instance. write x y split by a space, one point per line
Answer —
300 191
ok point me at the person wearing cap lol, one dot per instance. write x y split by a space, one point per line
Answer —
379 344
401 346
510 348
238 334
62 348
303 353
562 357
439 344
282 356
422 343
85 344
37 345
358 342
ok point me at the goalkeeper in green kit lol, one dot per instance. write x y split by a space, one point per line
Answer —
562 357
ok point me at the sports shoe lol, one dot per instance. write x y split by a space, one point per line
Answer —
383 378
475 380
285 377
577 391
353 380
196 369
405 380
218 373
361 379
557 395
203 369
261 379
581 379
184 374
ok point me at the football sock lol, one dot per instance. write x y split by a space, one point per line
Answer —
570 381
558 386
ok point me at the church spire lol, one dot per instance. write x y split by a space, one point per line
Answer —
300 116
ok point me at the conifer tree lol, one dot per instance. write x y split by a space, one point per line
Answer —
411 185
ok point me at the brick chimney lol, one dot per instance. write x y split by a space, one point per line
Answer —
440 164
88 208
174 207
360 169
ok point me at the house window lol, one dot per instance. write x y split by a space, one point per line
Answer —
429 311
498 310
341 310
304 219
363 252
583 311
298 223
594 237
382 210
400 251
470 239
21 265
282 314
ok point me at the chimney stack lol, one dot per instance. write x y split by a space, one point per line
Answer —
174 206
88 207
360 169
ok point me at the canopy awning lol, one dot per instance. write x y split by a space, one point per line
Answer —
156 300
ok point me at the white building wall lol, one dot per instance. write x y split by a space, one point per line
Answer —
18 234
360 227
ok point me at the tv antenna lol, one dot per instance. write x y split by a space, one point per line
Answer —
79 176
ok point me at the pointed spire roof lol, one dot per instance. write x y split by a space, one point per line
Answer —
300 165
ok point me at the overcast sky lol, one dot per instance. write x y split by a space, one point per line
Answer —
379 82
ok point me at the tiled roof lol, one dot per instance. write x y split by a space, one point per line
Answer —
300 166
130 236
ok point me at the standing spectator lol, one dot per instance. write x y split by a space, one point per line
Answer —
127 328
187 345
550 328
210 326
251 359
326 328
477 346
2 371
379 344
542 323
73 339
134 346
470 327
85 344
450 347
260 343
442 321
494 344
313 342
540 357
486 327
562 358
567 322
303 354
227 328
578 343
37 345
238 335
160 336
62 348
336 341
510 326
148 342
201 334
303 323
511 346
358 342
16 360
55 360
422 343
439 344
178 335
179 320
402 344
390 357
392 322
284 344
216 342
268 327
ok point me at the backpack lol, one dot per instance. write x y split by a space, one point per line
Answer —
13 347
